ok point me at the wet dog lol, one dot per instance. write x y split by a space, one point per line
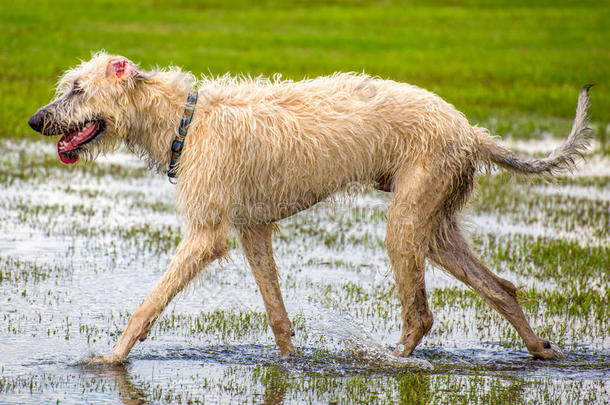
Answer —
246 153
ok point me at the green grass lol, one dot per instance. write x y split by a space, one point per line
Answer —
514 68
511 66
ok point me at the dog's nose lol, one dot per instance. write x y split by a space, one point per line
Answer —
35 122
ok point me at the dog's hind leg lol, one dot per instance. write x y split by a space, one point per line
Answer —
256 243
199 247
411 218
453 253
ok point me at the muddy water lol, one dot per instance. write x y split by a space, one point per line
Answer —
81 247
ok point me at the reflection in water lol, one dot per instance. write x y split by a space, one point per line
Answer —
255 373
414 389
118 375
314 373
56 302
282 384
275 382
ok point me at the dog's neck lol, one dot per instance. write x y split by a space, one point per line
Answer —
152 137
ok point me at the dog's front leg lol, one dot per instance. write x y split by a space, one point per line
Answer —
256 243
199 247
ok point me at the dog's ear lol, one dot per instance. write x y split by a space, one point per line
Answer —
121 69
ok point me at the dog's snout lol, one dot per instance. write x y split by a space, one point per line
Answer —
36 122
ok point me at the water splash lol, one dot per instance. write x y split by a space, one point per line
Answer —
350 336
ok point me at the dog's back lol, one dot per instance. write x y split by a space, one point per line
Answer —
285 145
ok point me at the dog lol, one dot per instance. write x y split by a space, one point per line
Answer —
247 152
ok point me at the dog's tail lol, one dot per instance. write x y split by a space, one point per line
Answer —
561 160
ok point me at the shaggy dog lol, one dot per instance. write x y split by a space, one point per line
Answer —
260 150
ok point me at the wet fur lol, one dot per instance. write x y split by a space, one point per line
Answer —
259 150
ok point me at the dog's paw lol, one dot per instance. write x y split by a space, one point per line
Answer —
549 351
403 350
103 359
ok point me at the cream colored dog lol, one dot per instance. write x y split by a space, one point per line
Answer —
261 150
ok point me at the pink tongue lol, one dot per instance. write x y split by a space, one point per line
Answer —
64 158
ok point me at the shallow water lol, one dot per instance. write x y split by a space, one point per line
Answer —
81 247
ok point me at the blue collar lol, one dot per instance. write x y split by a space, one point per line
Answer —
189 110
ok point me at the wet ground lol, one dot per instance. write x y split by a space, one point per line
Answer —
81 247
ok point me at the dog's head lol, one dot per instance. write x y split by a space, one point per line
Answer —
93 108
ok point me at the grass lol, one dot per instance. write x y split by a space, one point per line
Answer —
513 67
100 235
227 353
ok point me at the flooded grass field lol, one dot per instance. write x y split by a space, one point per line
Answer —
81 247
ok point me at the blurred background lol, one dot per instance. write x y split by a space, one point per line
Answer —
514 66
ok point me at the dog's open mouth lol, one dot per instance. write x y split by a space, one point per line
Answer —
71 143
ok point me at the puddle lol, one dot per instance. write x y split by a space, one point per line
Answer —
81 247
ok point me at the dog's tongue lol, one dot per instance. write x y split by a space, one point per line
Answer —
66 142
72 140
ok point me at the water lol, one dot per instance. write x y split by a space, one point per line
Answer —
81 247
